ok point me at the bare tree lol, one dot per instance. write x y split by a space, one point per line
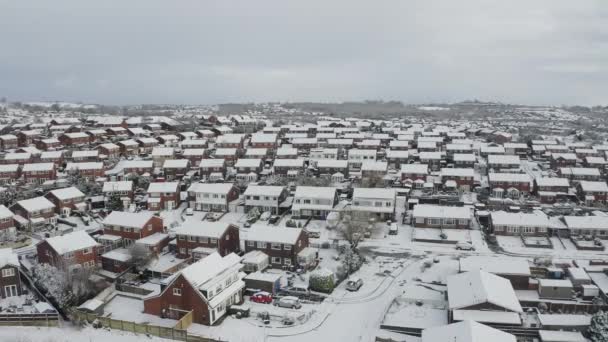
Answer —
353 229
140 255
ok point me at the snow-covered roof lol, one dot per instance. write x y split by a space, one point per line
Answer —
264 190
564 320
118 254
85 154
112 186
202 228
84 166
370 165
552 181
38 167
67 193
587 222
208 268
466 331
534 219
561 336
51 155
215 188
193 152
5 212
18 155
580 171
225 151
478 287
248 163
127 219
376 193
211 163
153 239
590 186
288 163
503 159
495 265
71 242
9 167
438 211
457 172
509 177
176 164
430 155
415 168
286 151
321 192
332 163
261 233
163 187
7 257
36 204
163 151
232 138
260 138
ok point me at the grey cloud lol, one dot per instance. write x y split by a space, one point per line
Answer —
194 51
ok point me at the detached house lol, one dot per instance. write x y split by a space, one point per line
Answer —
9 173
509 184
282 245
436 216
10 280
89 171
208 288
373 202
463 179
212 196
207 237
66 200
34 212
314 202
266 198
207 167
132 226
163 196
69 252
592 193
506 223
549 188
38 173
122 189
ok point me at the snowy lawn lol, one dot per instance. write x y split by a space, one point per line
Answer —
71 334
131 309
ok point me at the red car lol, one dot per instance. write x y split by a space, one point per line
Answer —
262 297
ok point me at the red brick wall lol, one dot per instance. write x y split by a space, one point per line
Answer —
189 300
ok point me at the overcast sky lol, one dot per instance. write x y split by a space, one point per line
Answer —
203 52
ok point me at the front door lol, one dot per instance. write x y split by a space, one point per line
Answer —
10 290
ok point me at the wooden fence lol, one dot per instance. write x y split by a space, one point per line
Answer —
184 322
36 319
139 328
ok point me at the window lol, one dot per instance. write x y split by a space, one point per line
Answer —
287 261
276 246
261 244
276 260
212 241
287 247
250 243
8 272
227 237
192 238
177 291
182 237
86 251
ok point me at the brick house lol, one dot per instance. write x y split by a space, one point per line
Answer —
373 203
330 167
549 188
117 260
55 157
146 145
209 166
38 173
7 224
69 252
230 141
90 170
96 135
211 196
132 226
9 173
316 202
207 287
592 193
282 245
139 167
128 147
464 179
26 138
261 140
175 168
437 216
265 198
163 196
229 155
109 149
10 280
464 160
222 237
160 154
17 158
35 211
8 141
506 223
194 155
284 167
74 139
497 161
48 144
66 200
563 160
245 166
414 172
123 189
509 184
85 156
193 143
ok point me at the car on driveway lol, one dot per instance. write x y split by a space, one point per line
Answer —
288 302
262 297
465 246
354 284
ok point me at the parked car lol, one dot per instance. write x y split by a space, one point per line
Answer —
265 216
288 302
392 230
314 233
354 284
262 297
274 219
465 246
189 211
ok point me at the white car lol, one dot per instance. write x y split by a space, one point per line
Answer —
289 302
465 246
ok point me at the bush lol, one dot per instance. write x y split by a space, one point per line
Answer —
322 280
